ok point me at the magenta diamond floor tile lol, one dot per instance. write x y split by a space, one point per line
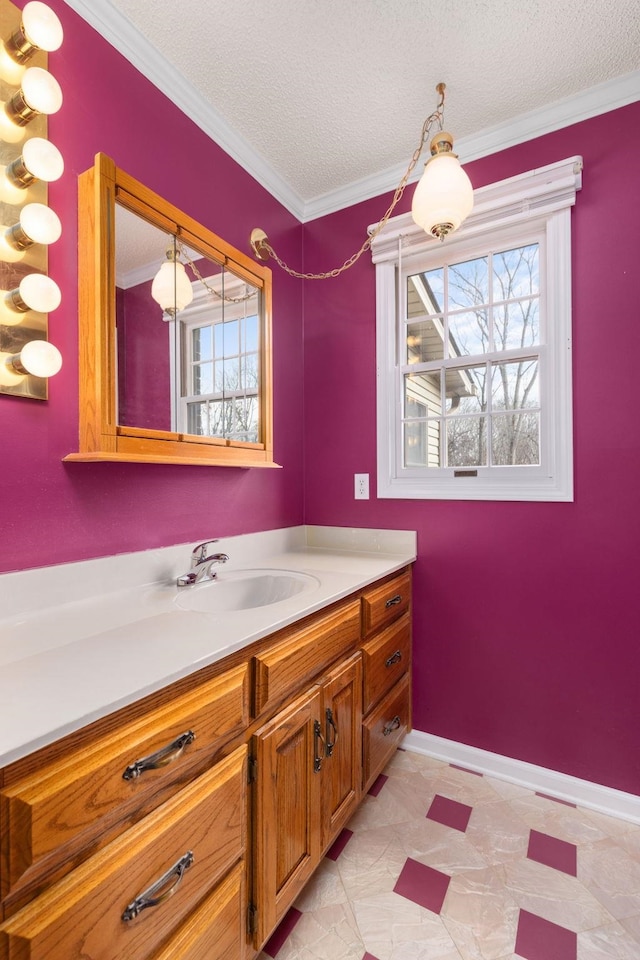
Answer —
449 812
369 956
539 939
555 853
339 844
377 785
280 934
422 885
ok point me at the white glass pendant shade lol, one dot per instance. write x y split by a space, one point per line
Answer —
35 292
443 197
41 26
39 358
171 287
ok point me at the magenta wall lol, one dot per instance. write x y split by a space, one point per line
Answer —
54 512
526 614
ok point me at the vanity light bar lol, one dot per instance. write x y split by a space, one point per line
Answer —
29 95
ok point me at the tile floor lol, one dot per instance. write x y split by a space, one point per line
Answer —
443 864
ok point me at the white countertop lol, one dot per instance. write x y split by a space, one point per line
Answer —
81 640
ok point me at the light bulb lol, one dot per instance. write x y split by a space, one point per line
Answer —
37 224
39 93
38 357
40 29
171 287
35 292
443 197
40 160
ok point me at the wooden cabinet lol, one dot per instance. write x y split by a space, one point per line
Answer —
215 798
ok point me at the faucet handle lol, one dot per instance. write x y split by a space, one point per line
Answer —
200 553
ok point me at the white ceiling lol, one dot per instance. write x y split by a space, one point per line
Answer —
324 100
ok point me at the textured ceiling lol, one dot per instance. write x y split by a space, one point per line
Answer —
328 93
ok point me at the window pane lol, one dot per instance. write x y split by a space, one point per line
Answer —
516 325
202 343
468 333
251 334
425 293
218 335
202 379
231 375
250 369
468 283
425 341
515 385
516 273
515 439
422 443
422 394
230 334
197 419
467 441
466 389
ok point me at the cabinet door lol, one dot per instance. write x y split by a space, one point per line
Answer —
289 752
342 774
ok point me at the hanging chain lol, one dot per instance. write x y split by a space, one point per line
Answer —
211 290
436 117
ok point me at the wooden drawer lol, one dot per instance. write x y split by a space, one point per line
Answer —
52 805
83 914
304 653
384 729
381 605
216 929
386 657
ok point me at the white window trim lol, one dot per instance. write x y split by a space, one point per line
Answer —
539 200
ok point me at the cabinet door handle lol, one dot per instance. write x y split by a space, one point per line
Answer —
394 658
391 726
160 758
394 600
331 726
152 897
317 738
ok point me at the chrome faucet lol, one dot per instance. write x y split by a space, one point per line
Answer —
201 563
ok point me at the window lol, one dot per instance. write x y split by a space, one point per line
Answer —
219 345
474 348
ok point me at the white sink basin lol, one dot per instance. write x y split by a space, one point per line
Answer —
243 590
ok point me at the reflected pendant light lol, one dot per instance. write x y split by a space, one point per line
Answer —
171 287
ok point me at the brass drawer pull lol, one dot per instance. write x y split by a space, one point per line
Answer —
317 756
331 725
152 896
391 726
394 658
394 600
161 758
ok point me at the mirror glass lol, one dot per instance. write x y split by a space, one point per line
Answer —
188 337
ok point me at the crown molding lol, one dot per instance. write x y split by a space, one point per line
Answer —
127 40
134 47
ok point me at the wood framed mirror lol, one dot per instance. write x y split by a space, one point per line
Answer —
174 333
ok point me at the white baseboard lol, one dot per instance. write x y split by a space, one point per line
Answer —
614 803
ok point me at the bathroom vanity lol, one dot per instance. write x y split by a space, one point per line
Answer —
184 823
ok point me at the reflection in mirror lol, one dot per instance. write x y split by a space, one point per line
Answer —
175 334
188 334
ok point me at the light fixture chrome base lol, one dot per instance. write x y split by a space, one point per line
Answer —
259 244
